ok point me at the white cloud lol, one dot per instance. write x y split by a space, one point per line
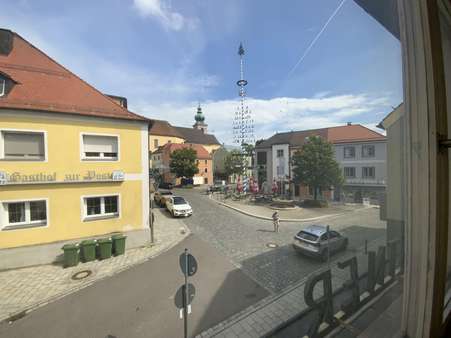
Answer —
271 115
161 11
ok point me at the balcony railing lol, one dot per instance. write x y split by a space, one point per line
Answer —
365 181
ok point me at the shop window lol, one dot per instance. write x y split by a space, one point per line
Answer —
22 145
101 207
23 214
100 147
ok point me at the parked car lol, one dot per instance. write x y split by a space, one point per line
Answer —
160 197
165 185
312 241
177 206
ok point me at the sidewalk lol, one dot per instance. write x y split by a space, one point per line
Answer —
25 289
265 316
297 214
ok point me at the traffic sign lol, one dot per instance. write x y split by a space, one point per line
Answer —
191 268
179 296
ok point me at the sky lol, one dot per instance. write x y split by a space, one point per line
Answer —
168 56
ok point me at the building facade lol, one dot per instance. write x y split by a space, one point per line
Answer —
359 151
161 159
73 163
162 132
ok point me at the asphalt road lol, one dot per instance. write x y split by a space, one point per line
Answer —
139 302
244 239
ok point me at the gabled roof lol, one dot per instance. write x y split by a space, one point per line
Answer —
163 128
192 135
44 85
335 135
202 153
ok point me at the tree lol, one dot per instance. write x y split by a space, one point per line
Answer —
233 163
183 162
156 176
314 165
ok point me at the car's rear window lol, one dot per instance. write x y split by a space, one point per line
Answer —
308 236
179 200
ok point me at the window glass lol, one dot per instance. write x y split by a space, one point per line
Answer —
261 157
110 204
2 86
155 143
368 151
38 211
93 206
16 212
349 172
349 152
368 172
279 152
23 145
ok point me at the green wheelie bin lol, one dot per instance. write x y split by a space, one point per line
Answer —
88 250
118 244
105 248
70 255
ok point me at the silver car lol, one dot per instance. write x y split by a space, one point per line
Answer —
313 241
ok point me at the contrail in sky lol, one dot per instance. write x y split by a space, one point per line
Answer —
315 39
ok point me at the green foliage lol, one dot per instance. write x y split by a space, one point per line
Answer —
183 162
315 166
233 163
156 175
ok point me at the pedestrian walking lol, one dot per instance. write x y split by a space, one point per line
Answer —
276 221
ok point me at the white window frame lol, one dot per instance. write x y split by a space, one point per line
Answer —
2 86
84 210
83 158
27 224
25 131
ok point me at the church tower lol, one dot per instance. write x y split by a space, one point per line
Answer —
200 118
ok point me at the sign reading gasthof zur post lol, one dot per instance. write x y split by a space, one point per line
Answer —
17 178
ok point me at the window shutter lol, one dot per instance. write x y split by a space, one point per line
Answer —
100 144
23 144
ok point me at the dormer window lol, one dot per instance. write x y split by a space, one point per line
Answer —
2 86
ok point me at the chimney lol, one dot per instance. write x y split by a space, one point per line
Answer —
6 41
349 123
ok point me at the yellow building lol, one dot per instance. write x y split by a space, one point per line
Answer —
73 162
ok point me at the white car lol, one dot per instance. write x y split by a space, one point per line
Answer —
177 206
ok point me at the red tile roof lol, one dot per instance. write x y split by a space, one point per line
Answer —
44 85
202 153
335 135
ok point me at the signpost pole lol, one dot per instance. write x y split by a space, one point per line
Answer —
328 246
185 295
151 221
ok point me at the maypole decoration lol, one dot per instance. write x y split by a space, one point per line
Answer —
243 124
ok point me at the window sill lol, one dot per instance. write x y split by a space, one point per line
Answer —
99 159
15 159
24 226
99 217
